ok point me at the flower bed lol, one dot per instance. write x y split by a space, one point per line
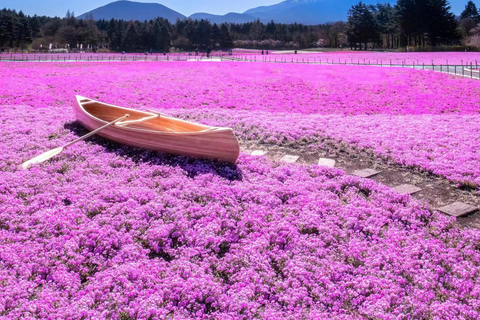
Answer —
368 57
110 231
105 230
238 86
416 118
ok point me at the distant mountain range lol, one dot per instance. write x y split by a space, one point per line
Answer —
228 18
289 11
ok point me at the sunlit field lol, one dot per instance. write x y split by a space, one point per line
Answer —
109 231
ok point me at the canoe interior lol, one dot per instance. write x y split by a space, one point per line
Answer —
162 123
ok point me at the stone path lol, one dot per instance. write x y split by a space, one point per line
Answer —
439 193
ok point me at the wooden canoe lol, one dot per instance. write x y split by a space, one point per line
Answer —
155 131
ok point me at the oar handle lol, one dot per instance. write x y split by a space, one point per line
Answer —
95 131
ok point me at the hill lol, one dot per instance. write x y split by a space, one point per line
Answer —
129 10
306 11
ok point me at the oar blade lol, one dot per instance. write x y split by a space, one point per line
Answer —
41 158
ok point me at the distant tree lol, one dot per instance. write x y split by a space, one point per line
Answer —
271 30
34 26
67 35
216 35
423 22
203 31
25 32
387 23
470 12
226 41
164 37
131 39
362 27
442 24
51 28
115 34
256 30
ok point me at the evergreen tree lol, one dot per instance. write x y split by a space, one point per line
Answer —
441 23
470 12
165 38
385 17
362 26
203 31
131 39
425 21
216 35
226 41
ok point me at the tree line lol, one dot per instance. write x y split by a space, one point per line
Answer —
409 23
18 30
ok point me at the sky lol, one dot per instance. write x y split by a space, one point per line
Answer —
186 7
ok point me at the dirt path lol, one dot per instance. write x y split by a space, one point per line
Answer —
436 190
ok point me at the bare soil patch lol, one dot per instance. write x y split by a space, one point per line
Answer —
436 192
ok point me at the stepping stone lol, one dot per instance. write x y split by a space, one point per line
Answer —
290 159
407 189
259 153
325 162
365 173
458 209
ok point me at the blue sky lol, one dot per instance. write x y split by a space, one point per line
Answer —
186 7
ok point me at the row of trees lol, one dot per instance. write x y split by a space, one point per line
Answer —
409 23
21 31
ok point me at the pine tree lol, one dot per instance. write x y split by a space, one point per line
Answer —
165 38
131 39
226 41
442 25
216 35
385 16
426 21
470 12
362 26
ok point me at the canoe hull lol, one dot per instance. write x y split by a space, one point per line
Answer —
219 144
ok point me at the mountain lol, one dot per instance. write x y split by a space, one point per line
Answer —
289 11
307 11
129 10
228 18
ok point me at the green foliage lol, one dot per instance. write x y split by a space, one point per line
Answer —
470 12
426 22
362 26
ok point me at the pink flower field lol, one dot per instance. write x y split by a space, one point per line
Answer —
367 57
108 231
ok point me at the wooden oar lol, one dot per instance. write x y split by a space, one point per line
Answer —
52 153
